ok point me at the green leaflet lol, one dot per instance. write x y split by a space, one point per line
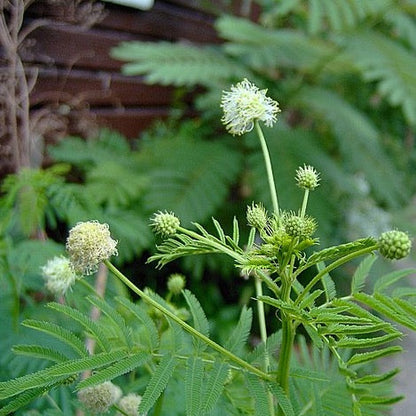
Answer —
22 400
60 333
365 357
348 342
119 368
283 400
389 279
214 384
149 327
37 351
238 337
201 323
258 392
58 372
158 382
194 378
377 378
92 328
361 273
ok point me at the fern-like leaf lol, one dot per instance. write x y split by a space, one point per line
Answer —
157 383
240 333
389 279
117 369
60 333
200 320
194 385
93 329
176 64
214 385
258 391
37 351
360 275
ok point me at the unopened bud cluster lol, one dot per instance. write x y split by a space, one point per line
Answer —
176 283
257 216
307 177
297 226
165 224
394 244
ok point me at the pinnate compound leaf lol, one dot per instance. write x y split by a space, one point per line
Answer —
157 383
37 351
194 379
389 279
201 323
283 400
361 273
258 391
214 385
119 368
365 357
60 333
240 333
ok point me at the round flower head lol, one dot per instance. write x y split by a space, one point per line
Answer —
176 283
98 399
59 275
88 244
394 244
297 226
307 177
129 404
244 104
165 223
257 216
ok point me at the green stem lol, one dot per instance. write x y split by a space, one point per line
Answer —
263 335
304 203
186 326
333 266
288 337
266 155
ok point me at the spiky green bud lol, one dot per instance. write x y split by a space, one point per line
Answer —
297 226
394 245
257 216
98 399
165 224
88 244
176 282
307 177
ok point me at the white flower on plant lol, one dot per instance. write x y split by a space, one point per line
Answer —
129 405
88 244
98 399
59 275
244 104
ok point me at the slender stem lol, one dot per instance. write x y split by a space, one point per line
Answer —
288 337
263 335
266 155
186 326
333 266
304 203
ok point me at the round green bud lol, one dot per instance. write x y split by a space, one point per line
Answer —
293 225
309 226
165 224
98 399
307 177
129 405
88 244
257 216
394 245
176 283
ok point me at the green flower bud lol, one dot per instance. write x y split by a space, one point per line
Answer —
297 226
88 244
257 216
307 177
165 224
394 244
98 399
176 283
59 275
129 404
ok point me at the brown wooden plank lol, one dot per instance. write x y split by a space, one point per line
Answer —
163 21
97 88
130 122
70 46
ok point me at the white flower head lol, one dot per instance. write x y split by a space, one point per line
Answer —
59 275
244 104
98 399
129 405
88 244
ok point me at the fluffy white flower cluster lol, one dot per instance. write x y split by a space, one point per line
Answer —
244 104
59 275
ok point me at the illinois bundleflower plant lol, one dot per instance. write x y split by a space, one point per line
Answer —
167 340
